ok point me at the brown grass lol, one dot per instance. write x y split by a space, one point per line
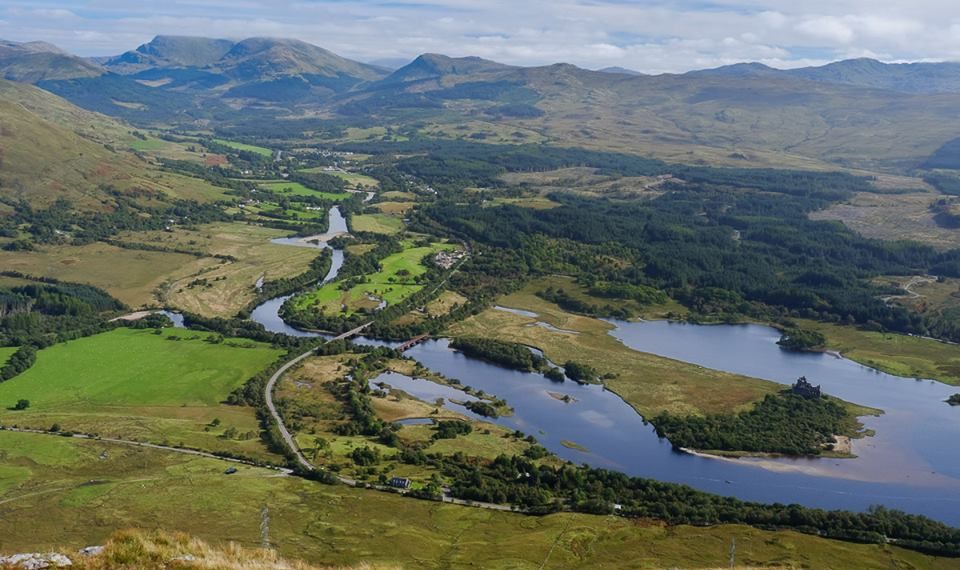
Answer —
892 217
132 549
649 383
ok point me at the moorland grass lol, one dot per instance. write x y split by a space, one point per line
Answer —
228 287
897 354
649 383
131 276
100 488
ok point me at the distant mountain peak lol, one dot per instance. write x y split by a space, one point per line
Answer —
620 70
434 66
170 51
745 69
31 62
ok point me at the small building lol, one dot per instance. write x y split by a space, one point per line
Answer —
399 482
805 389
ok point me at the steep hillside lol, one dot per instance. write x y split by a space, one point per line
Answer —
170 51
50 150
435 66
264 58
38 61
175 79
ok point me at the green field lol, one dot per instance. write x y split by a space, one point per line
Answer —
131 383
898 354
395 281
75 493
5 353
377 223
352 178
148 145
297 189
246 147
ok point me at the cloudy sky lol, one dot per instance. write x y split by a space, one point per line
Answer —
651 36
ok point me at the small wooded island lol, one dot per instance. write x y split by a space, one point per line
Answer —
800 420
954 400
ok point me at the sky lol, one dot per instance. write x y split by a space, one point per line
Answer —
654 36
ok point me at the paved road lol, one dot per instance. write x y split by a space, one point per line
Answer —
268 396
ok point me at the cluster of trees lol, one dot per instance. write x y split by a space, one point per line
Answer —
319 181
508 354
802 340
450 429
54 224
19 361
482 408
573 304
48 311
581 373
539 488
781 423
715 248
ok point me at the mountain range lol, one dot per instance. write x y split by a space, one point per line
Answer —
857 113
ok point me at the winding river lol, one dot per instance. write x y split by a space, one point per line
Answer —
268 313
911 464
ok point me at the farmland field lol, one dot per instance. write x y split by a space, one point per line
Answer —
352 179
377 223
76 492
393 283
262 151
297 189
5 353
131 383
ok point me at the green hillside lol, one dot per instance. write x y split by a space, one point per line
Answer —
51 150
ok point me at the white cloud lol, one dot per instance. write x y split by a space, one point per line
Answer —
828 28
649 35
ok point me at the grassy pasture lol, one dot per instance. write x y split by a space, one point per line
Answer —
297 189
393 283
262 151
5 353
135 384
898 354
76 493
377 223
352 179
